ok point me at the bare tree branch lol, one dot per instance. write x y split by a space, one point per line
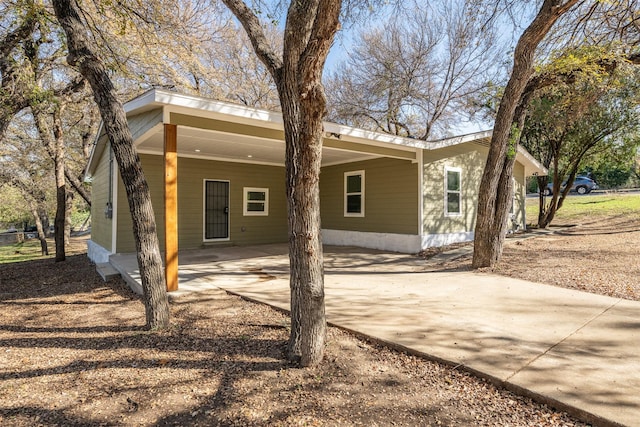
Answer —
256 34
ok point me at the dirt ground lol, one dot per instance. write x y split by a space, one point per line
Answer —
73 352
597 256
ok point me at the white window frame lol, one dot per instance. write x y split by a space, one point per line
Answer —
448 169
245 201
360 193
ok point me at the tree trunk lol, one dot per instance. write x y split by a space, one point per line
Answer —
54 144
304 150
309 31
67 218
44 247
44 220
61 187
77 185
488 236
138 194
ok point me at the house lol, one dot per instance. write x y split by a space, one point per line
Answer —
377 190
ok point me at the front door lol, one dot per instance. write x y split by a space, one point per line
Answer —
216 210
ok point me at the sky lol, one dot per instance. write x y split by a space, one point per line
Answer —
509 31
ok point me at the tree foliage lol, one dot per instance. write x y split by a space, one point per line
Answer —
414 74
586 120
496 186
192 46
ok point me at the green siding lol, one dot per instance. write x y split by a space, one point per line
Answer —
470 158
391 197
153 170
100 225
141 123
243 230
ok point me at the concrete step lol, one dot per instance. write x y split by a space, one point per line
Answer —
106 271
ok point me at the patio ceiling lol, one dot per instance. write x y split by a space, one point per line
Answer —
216 145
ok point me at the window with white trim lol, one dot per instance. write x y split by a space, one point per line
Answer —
453 191
255 201
354 193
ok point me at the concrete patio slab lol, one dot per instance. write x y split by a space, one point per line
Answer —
573 349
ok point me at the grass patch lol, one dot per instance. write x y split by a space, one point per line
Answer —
578 208
25 251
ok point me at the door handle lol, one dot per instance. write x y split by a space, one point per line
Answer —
226 209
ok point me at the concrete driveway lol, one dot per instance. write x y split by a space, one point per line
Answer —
575 350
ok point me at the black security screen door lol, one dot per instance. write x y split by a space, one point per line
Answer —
216 210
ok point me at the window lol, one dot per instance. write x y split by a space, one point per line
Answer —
354 193
256 201
453 193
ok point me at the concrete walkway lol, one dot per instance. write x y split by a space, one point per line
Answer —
575 350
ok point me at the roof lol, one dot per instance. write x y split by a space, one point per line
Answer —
239 133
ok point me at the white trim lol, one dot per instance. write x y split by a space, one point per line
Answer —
526 159
204 212
361 192
405 243
141 101
166 114
245 199
448 169
114 205
420 157
435 240
96 253
204 107
88 172
177 102
217 159
461 139
522 204
355 160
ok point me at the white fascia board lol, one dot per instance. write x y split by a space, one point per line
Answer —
448 142
141 101
157 97
531 165
188 103
371 137
177 102
90 164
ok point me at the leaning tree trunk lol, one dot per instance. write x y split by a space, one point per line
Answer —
489 238
44 247
138 194
78 187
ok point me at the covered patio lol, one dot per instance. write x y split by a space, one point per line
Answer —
176 126
218 267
